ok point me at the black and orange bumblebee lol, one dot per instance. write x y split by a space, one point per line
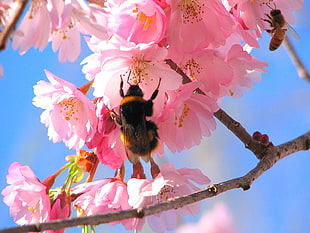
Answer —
139 135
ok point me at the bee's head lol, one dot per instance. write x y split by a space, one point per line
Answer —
134 90
275 12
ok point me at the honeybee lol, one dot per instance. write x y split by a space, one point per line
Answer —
139 135
278 32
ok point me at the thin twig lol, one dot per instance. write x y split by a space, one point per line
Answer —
10 27
272 155
301 70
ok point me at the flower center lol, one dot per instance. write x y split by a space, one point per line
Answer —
145 20
179 120
262 2
165 194
192 68
138 70
68 109
191 10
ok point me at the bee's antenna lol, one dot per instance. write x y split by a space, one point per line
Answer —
268 4
139 80
128 78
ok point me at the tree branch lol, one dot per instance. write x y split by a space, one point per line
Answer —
271 156
10 27
301 70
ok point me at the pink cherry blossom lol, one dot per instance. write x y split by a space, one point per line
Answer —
197 24
143 62
227 70
139 21
69 19
26 196
60 209
102 196
109 147
246 69
69 115
35 28
7 7
208 67
187 117
168 184
217 220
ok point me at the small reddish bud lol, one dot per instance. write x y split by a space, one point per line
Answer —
257 136
264 139
49 181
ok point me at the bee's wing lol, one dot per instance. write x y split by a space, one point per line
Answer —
292 32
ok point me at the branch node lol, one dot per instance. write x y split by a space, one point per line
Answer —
212 188
37 227
140 213
245 187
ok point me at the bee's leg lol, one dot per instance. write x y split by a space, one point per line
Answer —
269 20
270 31
155 93
121 91
155 170
149 103
115 118
138 171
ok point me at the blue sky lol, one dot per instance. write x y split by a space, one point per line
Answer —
278 106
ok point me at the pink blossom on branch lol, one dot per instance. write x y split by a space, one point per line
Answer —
34 29
186 117
26 196
69 19
145 64
198 24
102 196
69 115
168 184
109 147
60 22
138 21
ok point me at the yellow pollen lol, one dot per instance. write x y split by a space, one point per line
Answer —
180 120
33 209
68 109
143 18
192 10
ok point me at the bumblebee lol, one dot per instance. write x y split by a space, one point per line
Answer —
139 135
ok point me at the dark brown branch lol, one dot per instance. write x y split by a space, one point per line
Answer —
272 155
301 70
10 27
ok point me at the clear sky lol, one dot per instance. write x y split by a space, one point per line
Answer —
279 201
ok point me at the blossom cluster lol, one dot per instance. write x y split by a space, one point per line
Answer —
190 53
